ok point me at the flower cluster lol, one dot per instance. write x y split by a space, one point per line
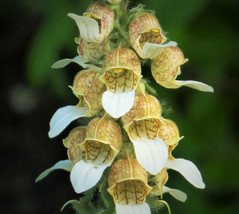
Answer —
126 132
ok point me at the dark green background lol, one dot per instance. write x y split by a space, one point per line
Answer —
34 34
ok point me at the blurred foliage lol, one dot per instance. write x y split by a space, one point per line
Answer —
207 31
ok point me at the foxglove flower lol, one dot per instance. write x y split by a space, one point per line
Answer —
128 185
122 72
88 89
142 123
166 67
74 152
170 134
101 145
146 36
96 23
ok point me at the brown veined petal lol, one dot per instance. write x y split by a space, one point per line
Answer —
128 182
73 141
122 70
91 51
145 28
89 89
103 140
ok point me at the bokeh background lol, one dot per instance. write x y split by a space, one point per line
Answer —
34 34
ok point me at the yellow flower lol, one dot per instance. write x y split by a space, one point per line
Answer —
166 67
122 72
96 23
88 89
146 36
128 185
101 145
142 123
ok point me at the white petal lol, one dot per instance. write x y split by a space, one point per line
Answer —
64 62
64 164
88 27
85 175
63 117
188 170
118 104
151 50
132 209
179 195
151 154
195 84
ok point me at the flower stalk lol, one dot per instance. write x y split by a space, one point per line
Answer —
120 159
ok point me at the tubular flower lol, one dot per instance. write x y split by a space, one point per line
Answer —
122 74
142 123
89 89
88 52
72 143
74 152
146 36
159 188
96 23
166 67
128 185
170 134
101 145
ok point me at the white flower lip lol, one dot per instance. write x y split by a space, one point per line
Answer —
195 84
64 62
151 50
88 27
118 104
151 154
63 117
64 164
132 209
84 175
179 195
187 169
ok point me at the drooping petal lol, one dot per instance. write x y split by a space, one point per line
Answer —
187 169
117 104
132 209
63 117
194 84
64 62
64 164
85 175
179 195
88 27
151 154
152 50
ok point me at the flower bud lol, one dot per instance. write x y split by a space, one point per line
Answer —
122 74
89 89
160 180
166 67
128 182
143 29
73 141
